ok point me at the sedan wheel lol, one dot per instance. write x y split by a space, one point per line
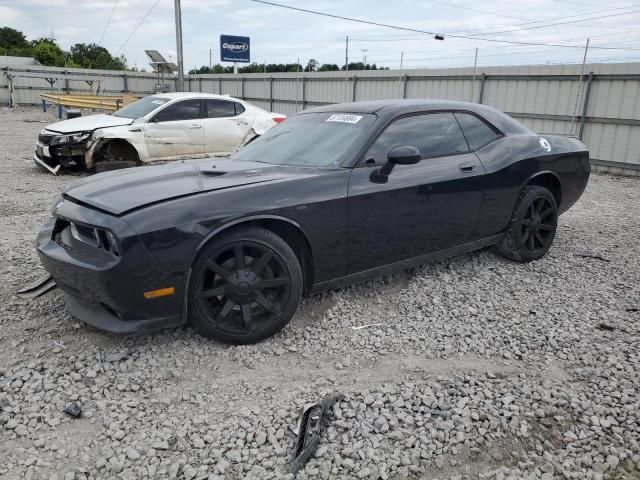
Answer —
532 227
245 286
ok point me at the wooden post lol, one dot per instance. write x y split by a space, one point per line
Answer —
585 106
483 77
271 94
12 102
353 88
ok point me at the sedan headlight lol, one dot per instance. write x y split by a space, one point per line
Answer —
70 139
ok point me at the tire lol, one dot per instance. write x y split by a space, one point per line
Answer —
107 166
532 227
245 286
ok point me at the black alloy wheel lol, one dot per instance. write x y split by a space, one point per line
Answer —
532 227
245 286
538 225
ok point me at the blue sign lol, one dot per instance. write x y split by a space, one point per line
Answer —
234 49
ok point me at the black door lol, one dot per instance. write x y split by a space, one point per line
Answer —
421 208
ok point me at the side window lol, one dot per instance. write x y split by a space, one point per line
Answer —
434 134
239 108
478 133
220 109
184 110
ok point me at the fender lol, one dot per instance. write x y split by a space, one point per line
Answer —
241 220
226 226
537 174
102 136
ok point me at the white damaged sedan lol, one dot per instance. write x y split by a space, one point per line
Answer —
161 127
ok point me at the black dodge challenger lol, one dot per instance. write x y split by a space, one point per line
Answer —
331 196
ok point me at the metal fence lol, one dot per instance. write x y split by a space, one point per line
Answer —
601 105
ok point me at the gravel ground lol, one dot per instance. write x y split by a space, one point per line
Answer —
475 367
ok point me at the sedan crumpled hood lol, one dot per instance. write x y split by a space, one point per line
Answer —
88 123
122 191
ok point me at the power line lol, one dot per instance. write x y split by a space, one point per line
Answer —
578 3
560 23
484 12
433 34
138 26
115 4
595 12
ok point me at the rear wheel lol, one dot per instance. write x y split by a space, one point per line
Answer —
245 286
532 227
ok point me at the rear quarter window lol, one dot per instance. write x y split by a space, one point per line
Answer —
477 132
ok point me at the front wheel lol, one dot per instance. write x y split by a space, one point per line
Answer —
245 286
532 227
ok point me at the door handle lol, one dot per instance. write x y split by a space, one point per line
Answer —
195 126
466 167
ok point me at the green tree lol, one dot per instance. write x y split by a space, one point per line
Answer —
11 39
91 55
328 67
47 52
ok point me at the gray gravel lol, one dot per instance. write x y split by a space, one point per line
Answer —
478 367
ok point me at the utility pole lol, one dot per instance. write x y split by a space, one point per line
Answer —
346 69
364 57
179 45
473 79
401 58
209 60
579 92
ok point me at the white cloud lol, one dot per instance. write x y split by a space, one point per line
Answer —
281 35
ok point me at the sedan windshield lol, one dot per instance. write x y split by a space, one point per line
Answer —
310 139
141 107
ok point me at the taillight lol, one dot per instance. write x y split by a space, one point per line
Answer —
278 119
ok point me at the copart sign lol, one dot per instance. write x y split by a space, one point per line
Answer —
234 49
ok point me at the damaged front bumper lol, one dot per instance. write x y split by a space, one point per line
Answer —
105 286
52 156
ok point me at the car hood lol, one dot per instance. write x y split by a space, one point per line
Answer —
88 123
122 191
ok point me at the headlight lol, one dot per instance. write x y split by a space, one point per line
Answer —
73 138
112 243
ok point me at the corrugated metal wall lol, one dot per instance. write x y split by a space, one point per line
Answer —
546 98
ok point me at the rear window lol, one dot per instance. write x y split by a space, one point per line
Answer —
477 132
220 108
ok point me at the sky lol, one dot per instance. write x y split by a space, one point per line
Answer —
280 35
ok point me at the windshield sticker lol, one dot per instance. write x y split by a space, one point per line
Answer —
344 117
159 102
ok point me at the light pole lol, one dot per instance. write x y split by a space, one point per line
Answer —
364 57
180 86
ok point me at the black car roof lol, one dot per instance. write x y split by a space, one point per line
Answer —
394 107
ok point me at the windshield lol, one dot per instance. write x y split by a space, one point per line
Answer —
310 139
141 107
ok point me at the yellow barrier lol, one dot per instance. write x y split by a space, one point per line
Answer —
109 103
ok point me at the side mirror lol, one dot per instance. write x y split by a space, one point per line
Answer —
405 155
